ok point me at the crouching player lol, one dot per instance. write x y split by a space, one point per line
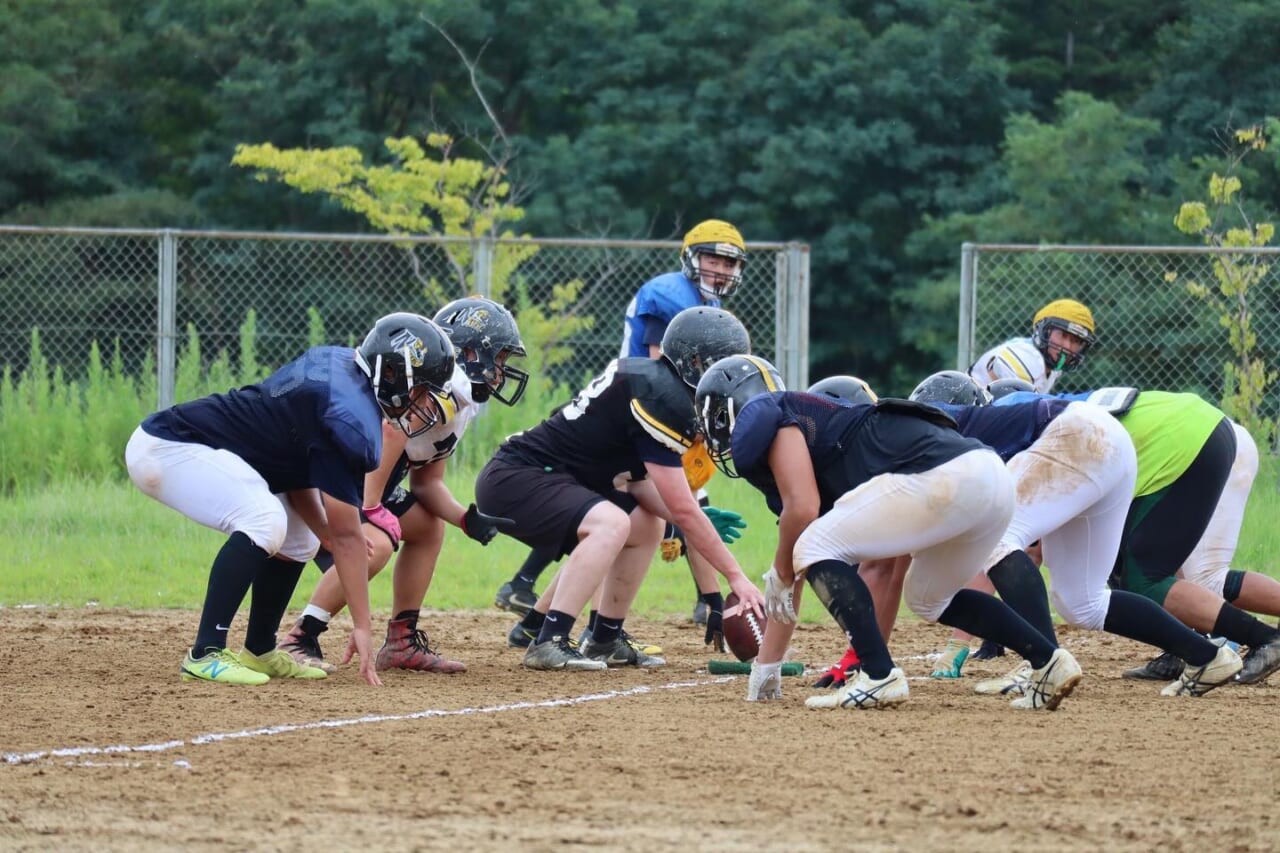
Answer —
484 336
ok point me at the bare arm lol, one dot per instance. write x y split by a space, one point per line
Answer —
308 504
798 487
678 506
351 562
429 490
375 482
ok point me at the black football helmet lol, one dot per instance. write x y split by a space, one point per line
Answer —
722 392
950 386
402 353
1004 387
849 388
487 331
698 337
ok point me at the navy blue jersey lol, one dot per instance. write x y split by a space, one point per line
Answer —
1007 429
311 424
848 443
637 411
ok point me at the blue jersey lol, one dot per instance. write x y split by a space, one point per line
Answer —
651 309
1009 428
313 423
848 443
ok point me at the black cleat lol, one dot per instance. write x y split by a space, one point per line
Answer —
1260 662
1164 667
988 650
517 599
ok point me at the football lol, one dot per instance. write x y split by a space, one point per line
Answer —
743 632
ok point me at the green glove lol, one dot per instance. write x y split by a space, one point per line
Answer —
727 523
950 660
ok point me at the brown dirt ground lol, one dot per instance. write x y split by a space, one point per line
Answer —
638 768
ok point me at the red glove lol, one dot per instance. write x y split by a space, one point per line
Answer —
385 520
836 676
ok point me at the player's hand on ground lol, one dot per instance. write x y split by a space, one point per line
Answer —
779 598
837 675
483 528
726 522
714 635
765 682
361 643
950 660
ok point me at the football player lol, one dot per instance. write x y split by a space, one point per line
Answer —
485 337
595 482
712 258
279 467
859 482
1061 333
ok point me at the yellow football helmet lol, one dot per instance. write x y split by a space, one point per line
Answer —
713 237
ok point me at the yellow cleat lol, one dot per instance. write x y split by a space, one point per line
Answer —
278 663
221 666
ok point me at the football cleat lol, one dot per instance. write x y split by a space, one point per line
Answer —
558 654
866 693
278 663
1047 686
221 666
1199 680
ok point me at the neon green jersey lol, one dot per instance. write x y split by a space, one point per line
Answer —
1168 431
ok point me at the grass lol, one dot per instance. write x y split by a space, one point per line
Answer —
106 544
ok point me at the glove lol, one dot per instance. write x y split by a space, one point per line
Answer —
779 603
841 672
726 523
481 527
765 682
385 520
672 549
950 660
715 620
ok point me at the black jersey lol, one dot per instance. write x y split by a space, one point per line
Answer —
848 443
637 411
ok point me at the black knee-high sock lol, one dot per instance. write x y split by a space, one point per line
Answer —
534 564
237 564
1017 579
272 589
1139 618
987 616
847 599
1244 628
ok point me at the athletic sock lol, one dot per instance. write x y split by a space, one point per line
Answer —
591 621
847 599
606 630
317 613
272 589
313 627
1139 618
1245 629
237 564
1017 579
533 620
557 624
527 575
987 616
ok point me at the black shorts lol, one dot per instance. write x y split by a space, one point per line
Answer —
547 506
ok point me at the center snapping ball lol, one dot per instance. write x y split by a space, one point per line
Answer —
743 630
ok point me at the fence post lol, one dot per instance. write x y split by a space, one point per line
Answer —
968 305
483 266
791 328
166 320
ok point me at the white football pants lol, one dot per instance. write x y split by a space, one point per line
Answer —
220 490
1074 486
1208 564
947 518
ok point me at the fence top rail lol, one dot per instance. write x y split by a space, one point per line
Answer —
368 238
1122 250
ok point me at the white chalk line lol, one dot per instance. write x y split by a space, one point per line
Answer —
286 728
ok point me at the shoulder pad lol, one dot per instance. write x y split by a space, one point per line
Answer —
911 408
660 402
1116 400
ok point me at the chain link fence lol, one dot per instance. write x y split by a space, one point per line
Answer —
1153 330
144 289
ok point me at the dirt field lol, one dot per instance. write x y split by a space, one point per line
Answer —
500 758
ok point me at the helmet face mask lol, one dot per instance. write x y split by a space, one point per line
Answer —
698 337
1071 318
720 397
485 336
954 387
713 239
407 358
